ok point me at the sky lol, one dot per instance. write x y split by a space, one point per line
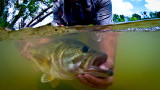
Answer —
129 7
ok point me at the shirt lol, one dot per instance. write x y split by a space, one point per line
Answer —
98 12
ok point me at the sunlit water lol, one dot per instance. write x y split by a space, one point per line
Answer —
136 65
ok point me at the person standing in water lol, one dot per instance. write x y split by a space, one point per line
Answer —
85 12
82 12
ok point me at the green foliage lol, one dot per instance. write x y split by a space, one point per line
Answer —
4 13
121 18
137 16
133 19
50 1
21 11
154 14
115 18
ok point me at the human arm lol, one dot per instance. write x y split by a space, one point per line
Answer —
108 45
32 44
104 13
57 13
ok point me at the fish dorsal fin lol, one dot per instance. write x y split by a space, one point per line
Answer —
48 78
42 62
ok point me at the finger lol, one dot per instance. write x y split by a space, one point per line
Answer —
82 79
99 82
27 55
23 52
96 80
93 80
110 64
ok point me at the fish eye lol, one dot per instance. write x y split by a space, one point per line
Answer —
85 49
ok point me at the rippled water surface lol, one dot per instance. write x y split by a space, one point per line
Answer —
136 65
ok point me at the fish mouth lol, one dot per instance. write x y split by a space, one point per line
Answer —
99 60
95 69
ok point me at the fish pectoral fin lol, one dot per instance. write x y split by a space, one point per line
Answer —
54 83
47 78
42 62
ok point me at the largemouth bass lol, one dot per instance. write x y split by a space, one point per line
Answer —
66 58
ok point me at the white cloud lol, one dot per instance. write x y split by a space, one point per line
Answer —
153 5
120 7
136 0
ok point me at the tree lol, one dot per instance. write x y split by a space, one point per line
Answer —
154 14
158 14
115 18
121 18
145 16
137 16
151 14
22 12
133 19
4 13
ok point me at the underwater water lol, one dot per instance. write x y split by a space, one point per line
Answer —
136 64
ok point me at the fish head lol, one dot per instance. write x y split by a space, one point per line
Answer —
79 58
93 62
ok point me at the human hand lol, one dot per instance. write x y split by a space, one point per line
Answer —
60 25
32 44
92 81
25 50
55 24
95 82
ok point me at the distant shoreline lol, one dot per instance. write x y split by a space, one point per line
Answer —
153 19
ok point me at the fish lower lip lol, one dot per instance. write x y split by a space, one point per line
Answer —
100 72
